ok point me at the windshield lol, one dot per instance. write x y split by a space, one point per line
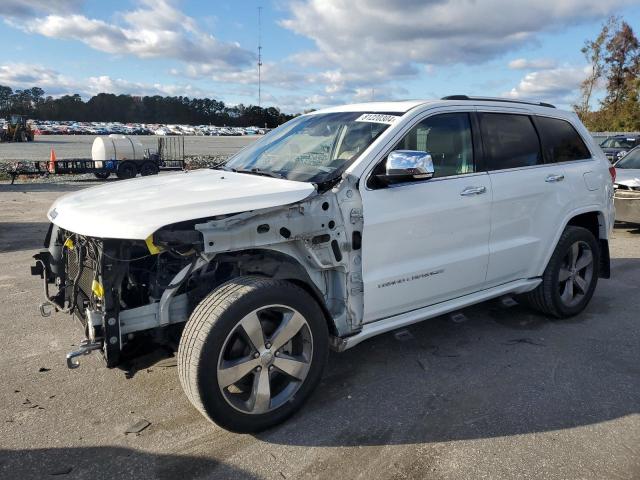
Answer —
313 148
618 143
630 160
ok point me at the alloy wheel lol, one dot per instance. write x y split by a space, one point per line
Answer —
265 359
576 273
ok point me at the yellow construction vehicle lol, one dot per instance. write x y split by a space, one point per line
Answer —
16 130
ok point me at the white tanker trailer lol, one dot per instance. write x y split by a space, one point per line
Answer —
125 156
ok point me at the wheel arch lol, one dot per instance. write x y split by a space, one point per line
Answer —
594 219
280 266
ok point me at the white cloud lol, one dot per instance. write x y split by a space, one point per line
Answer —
359 45
155 30
374 41
558 85
32 8
532 64
273 74
23 75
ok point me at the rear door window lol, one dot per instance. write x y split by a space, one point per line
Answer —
560 141
510 141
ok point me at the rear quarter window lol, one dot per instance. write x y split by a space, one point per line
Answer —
560 141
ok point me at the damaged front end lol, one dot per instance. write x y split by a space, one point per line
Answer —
132 294
105 283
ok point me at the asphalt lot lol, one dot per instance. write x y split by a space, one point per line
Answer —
79 146
500 393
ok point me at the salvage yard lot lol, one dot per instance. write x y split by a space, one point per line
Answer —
498 392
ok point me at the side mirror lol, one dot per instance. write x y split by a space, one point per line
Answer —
407 166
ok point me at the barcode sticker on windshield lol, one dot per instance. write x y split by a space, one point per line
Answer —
377 118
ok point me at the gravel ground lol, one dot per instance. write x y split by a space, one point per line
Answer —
500 393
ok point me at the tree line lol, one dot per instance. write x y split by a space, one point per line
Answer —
614 60
108 107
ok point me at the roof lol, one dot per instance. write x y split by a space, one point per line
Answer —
398 106
404 106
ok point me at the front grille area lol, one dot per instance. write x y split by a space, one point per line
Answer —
87 274
85 255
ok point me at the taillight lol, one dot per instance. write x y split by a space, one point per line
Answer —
612 172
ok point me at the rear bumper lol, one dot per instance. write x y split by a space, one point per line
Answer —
627 203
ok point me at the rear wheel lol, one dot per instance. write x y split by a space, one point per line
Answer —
252 352
126 170
571 276
148 168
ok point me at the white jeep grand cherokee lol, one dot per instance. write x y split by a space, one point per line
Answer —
339 225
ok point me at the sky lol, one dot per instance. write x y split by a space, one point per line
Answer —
316 53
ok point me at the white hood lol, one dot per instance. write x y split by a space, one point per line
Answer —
134 209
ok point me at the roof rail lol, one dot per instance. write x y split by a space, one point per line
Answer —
495 99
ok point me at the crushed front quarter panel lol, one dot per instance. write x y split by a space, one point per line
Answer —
322 234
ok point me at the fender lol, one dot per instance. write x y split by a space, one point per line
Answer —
321 234
603 230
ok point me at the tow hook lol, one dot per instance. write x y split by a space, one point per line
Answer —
86 347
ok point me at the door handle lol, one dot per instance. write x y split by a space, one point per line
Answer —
469 191
554 178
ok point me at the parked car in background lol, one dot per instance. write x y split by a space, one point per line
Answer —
627 187
617 146
62 127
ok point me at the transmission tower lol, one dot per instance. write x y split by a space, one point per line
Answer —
259 56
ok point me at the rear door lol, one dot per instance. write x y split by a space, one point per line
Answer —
529 196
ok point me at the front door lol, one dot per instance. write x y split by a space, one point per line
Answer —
427 242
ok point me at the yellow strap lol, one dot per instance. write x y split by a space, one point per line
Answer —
97 289
153 248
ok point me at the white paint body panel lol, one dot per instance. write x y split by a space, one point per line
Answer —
134 209
525 215
522 214
424 243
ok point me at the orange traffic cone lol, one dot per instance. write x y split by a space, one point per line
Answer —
52 161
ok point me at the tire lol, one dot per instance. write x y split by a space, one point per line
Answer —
552 296
126 170
215 335
148 168
102 175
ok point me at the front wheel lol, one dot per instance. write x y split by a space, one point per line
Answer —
252 352
571 276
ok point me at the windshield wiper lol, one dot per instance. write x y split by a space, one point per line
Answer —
257 171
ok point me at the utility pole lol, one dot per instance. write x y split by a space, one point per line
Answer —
259 56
